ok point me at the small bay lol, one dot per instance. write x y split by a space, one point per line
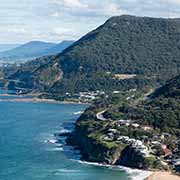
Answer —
27 148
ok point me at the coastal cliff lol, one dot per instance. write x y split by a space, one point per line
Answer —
107 134
132 158
88 138
93 150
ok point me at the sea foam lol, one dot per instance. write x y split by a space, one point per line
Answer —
78 112
135 174
55 149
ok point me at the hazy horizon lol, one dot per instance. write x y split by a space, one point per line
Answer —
34 40
57 20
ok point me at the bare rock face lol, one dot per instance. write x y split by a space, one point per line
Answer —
92 150
131 157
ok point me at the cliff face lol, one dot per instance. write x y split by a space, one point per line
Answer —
132 158
88 136
94 151
91 149
110 142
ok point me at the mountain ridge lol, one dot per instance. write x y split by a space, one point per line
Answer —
5 47
146 47
34 49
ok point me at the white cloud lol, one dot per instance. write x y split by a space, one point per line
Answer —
55 14
61 30
113 8
66 19
70 3
20 30
13 29
110 9
86 8
64 33
176 2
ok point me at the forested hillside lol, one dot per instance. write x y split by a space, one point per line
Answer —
28 50
170 89
161 110
148 48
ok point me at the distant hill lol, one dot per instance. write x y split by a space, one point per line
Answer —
145 49
29 50
34 49
58 48
6 47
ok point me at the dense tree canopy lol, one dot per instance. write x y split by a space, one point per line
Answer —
147 47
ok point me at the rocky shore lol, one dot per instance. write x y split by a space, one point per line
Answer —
93 149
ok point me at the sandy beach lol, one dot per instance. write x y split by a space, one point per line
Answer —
163 176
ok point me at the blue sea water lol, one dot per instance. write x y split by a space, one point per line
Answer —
28 150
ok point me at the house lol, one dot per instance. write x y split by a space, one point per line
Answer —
132 90
132 140
137 143
124 139
124 122
106 138
68 94
111 135
112 130
153 143
167 152
135 125
116 92
176 162
147 128
165 135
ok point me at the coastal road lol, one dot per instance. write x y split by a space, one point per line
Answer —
100 116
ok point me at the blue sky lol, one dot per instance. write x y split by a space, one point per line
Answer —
57 20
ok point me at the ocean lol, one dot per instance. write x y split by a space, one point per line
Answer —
30 149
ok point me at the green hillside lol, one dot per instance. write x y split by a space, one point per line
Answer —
148 48
28 50
171 89
161 110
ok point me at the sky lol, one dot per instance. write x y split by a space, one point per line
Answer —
56 20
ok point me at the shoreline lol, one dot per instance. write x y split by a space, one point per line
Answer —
160 175
22 98
134 174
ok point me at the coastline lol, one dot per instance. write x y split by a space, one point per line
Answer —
35 99
163 176
134 174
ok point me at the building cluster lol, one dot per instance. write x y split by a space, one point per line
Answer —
85 96
127 123
146 146
138 145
